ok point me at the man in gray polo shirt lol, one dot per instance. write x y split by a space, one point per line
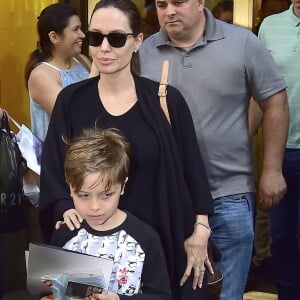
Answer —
218 67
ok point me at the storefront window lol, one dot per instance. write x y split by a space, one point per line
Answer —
222 10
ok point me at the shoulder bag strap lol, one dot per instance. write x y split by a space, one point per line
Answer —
162 92
14 121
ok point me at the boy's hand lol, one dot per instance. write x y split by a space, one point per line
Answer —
108 296
71 219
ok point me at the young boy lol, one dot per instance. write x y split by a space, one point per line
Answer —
96 169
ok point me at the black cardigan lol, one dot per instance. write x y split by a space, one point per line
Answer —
182 185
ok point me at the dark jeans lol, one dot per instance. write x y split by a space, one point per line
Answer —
283 221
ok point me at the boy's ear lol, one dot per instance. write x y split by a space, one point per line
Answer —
123 187
72 191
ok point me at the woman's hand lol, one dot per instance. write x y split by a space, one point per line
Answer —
197 257
48 297
71 219
94 71
108 296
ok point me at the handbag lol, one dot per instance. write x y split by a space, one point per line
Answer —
12 169
31 148
214 281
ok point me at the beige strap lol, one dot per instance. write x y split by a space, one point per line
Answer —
162 92
14 121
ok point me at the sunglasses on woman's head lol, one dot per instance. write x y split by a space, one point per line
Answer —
115 39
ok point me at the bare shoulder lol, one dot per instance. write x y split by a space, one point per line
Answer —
43 74
44 85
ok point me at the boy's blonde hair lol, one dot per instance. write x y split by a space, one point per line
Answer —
97 150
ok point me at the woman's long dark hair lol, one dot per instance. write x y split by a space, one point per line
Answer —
55 18
135 23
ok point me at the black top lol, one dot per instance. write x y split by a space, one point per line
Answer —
172 189
139 268
141 182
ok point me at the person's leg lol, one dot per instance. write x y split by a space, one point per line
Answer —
283 221
232 234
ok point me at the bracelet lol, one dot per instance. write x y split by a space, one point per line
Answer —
204 225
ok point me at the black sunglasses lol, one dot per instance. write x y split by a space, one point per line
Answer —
115 39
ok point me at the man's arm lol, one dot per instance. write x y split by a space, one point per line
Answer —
272 186
255 116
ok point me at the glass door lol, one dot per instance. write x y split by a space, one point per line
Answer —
238 12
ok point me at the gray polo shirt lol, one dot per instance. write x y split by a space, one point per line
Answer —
217 77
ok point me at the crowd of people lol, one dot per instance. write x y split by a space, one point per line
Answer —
114 167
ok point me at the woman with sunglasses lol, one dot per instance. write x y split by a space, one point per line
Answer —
56 63
167 185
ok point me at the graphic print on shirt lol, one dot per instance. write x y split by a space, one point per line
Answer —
123 249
